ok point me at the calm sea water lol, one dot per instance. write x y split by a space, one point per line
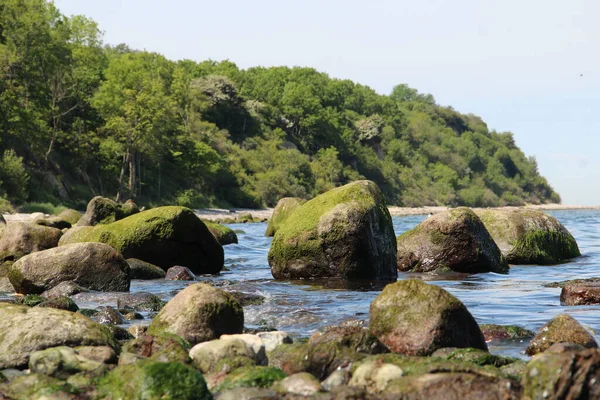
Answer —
518 298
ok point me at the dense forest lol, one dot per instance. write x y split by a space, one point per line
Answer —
80 118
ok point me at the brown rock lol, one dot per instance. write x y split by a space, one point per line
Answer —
562 328
580 292
179 273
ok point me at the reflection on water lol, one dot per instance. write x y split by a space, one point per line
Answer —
302 307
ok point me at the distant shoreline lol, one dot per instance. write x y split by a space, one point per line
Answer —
213 214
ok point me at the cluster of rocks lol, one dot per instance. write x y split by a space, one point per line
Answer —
420 342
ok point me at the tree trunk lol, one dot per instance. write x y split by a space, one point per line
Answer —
132 175
122 175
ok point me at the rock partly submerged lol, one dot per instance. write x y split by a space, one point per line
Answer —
414 318
561 329
455 240
344 233
163 236
529 236
223 234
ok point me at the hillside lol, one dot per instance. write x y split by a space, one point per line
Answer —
79 118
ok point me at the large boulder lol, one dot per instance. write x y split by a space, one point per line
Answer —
282 211
199 313
455 240
529 236
569 375
344 233
163 236
21 238
414 318
101 210
24 330
561 329
151 380
224 234
95 266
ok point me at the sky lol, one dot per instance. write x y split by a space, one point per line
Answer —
529 67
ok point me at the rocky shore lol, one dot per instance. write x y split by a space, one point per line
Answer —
420 341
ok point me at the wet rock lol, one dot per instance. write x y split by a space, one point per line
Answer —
222 233
344 233
571 375
414 318
149 379
455 240
108 315
319 359
60 303
144 270
20 238
140 301
501 332
251 376
64 289
101 210
453 386
529 236
274 338
562 328
179 273
95 266
247 299
199 313
223 355
132 316
564 347
101 354
302 384
282 211
358 338
580 292
163 348
473 356
25 330
62 362
163 236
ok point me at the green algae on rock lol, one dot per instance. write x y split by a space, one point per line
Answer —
223 234
529 236
251 376
102 210
455 240
561 329
164 348
499 332
164 236
282 211
24 330
414 318
152 380
344 233
95 266
199 313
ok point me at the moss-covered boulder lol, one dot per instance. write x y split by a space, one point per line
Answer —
282 211
20 238
60 303
24 330
344 233
70 215
455 240
561 329
569 375
529 236
101 210
62 362
453 386
199 313
355 337
493 332
252 376
414 318
152 380
224 234
580 292
38 387
144 270
163 236
163 348
95 266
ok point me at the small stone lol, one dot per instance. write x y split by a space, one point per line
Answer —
108 315
302 384
274 338
179 273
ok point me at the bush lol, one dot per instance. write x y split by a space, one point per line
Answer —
5 206
46 208
13 177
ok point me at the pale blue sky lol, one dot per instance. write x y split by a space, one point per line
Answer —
515 63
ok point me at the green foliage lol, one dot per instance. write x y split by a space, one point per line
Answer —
79 119
46 208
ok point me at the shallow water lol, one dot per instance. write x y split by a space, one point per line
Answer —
299 308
